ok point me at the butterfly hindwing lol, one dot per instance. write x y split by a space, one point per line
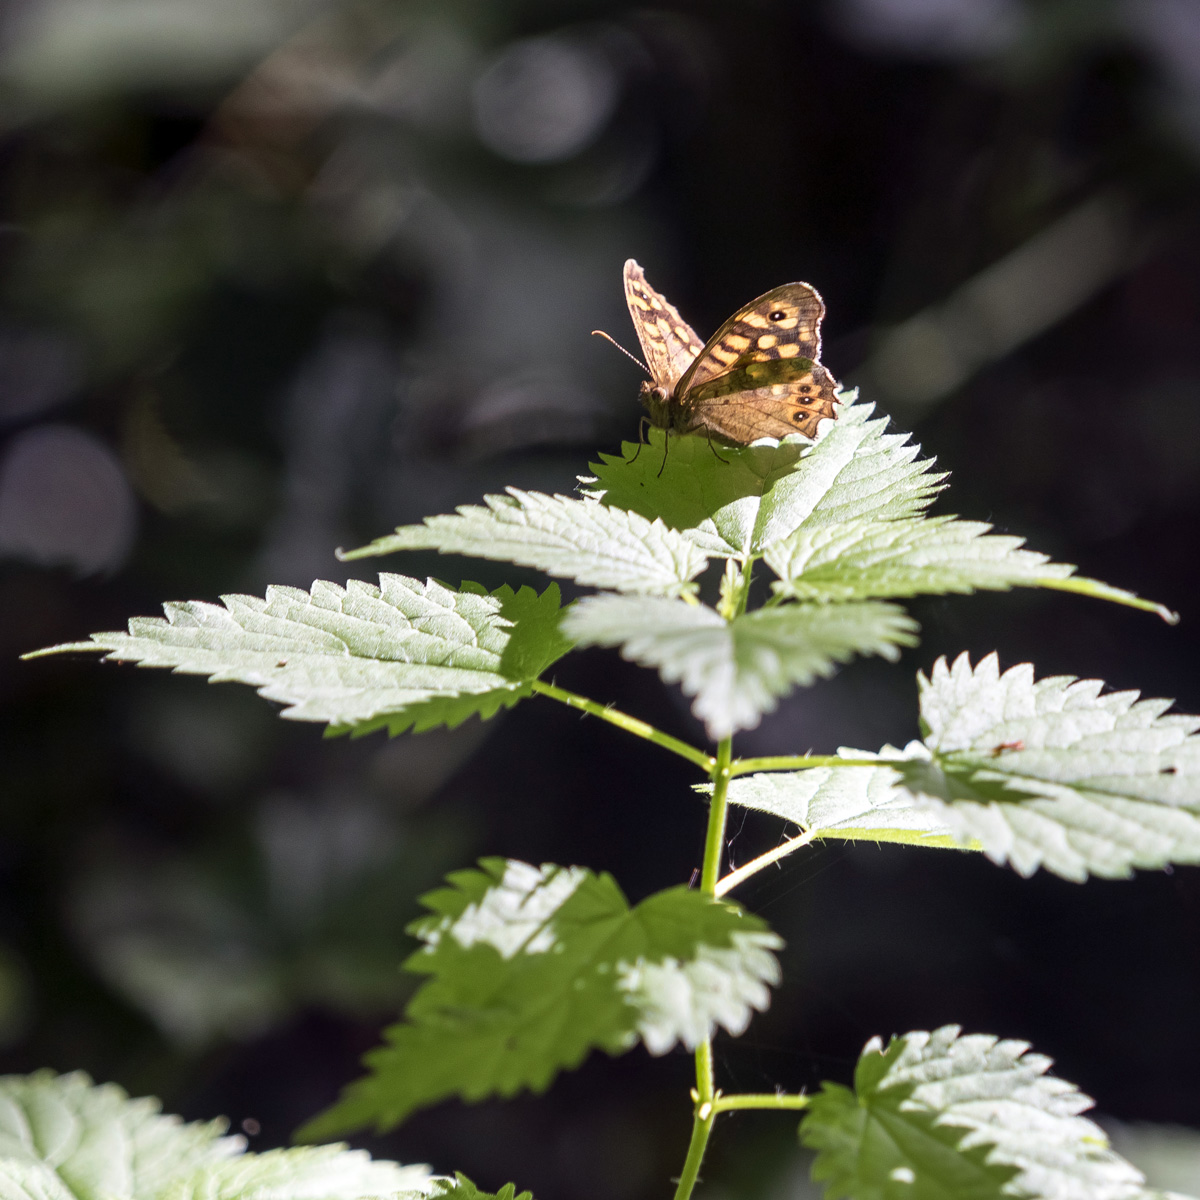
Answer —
794 401
669 343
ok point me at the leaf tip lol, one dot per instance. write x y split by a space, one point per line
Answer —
61 648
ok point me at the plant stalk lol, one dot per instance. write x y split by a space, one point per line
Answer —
718 810
701 1128
736 591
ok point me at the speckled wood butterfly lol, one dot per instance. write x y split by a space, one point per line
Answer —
757 376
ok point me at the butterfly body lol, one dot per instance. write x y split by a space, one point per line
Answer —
758 376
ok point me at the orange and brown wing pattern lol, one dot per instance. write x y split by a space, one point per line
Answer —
669 343
782 326
760 374
762 400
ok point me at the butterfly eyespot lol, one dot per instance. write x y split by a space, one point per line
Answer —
797 417
777 315
805 388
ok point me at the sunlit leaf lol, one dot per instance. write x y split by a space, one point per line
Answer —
865 558
531 968
849 803
574 539
741 500
63 1138
402 654
1054 773
737 670
1057 773
945 1117
841 518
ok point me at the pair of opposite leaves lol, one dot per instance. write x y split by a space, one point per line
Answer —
758 376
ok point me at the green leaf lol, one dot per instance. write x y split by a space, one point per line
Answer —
533 968
922 556
754 496
1050 774
535 642
463 1189
851 803
535 639
864 558
398 655
737 670
840 518
944 1117
1056 774
576 539
301 1173
62 1138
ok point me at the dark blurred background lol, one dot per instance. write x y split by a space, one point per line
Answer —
277 275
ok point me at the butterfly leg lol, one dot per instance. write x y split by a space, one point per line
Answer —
714 450
666 445
641 439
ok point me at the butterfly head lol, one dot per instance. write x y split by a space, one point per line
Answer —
657 402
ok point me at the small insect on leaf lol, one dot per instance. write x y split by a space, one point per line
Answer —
1005 746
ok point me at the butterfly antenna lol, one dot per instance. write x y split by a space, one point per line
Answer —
605 336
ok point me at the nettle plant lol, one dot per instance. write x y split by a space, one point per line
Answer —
529 968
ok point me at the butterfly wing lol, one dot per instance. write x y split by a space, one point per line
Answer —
760 374
669 343
773 410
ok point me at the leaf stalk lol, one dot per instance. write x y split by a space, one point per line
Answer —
758 1100
614 716
798 762
763 860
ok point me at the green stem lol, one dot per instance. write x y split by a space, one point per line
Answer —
701 1128
624 721
763 860
799 762
759 1100
735 591
714 845
704 1073
718 809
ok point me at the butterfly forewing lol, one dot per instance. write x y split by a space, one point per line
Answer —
759 374
669 343
784 324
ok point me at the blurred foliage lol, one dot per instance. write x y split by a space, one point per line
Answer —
279 275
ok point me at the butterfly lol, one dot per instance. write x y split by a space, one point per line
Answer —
758 376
